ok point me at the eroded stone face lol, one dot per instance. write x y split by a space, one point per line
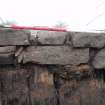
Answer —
14 37
99 59
30 85
49 37
84 39
42 89
7 54
13 86
56 55
88 92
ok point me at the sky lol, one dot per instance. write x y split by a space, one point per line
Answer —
76 14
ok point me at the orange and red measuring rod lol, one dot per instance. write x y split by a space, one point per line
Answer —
33 28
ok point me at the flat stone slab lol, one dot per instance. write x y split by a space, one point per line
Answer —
56 55
85 39
13 37
50 37
99 60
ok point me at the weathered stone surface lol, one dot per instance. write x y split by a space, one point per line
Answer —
7 55
56 55
7 58
29 85
13 86
42 89
99 59
86 39
14 37
84 92
72 71
7 49
50 37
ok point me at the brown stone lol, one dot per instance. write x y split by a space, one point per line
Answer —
84 92
43 91
13 86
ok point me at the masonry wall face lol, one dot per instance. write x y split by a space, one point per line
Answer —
52 68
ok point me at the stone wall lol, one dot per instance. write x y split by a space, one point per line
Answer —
52 68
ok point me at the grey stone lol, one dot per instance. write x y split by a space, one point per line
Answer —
50 37
7 55
7 49
86 39
99 60
7 58
56 55
14 37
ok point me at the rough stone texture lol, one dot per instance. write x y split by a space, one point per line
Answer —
13 86
26 86
7 49
7 58
72 71
83 39
99 59
51 70
42 89
88 92
56 55
14 37
7 55
50 37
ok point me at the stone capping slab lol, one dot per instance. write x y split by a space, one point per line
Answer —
88 39
49 37
55 55
14 37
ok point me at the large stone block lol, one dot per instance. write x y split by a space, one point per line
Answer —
13 37
56 55
49 37
99 60
7 55
85 39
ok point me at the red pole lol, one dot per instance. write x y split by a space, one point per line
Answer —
38 28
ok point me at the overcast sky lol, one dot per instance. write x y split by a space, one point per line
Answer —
77 14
